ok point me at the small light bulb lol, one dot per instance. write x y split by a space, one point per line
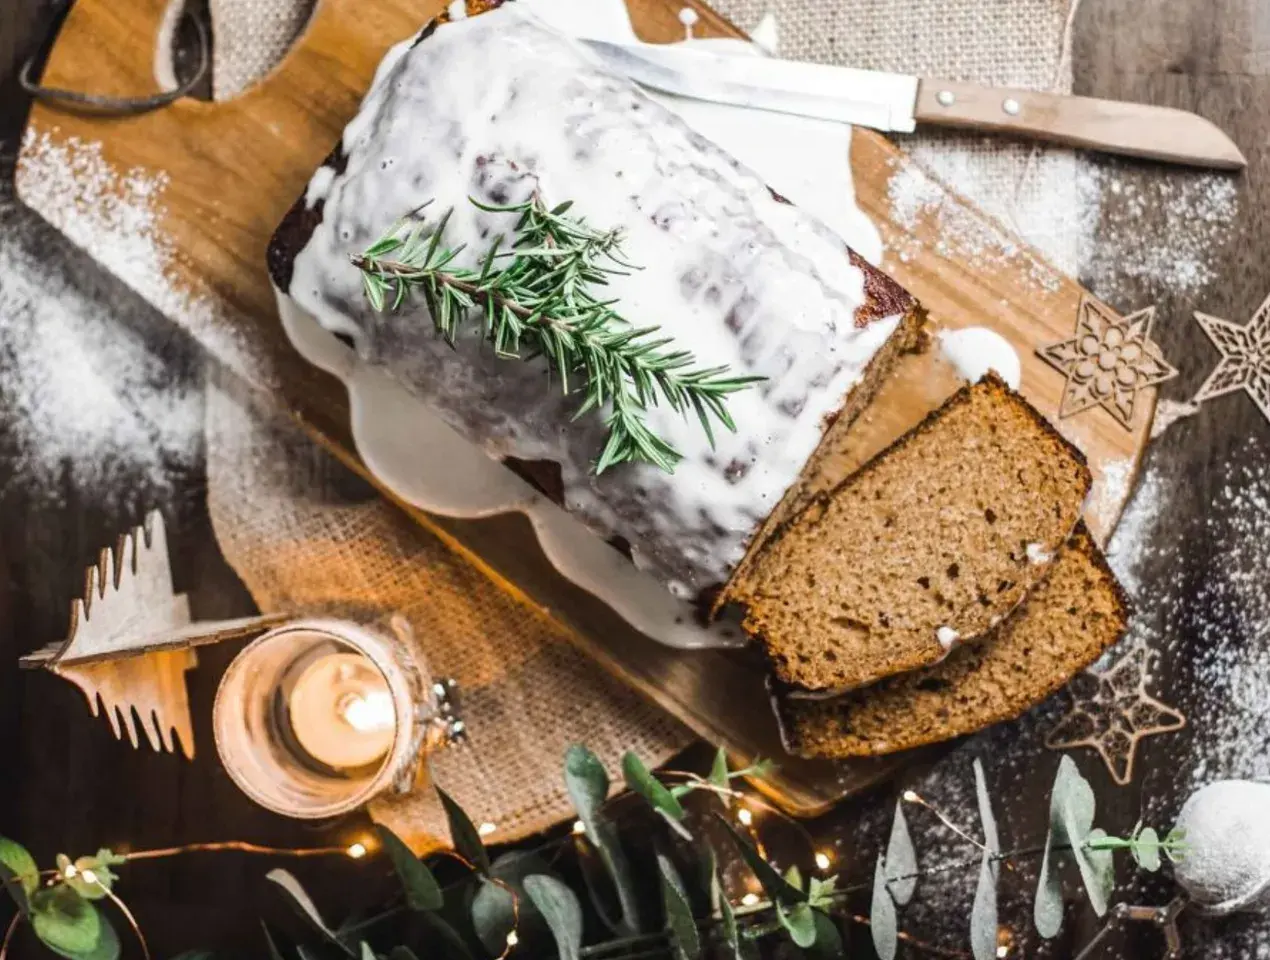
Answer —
89 876
70 871
512 939
749 899
1003 951
357 850
822 860
910 796
745 816
486 828
579 826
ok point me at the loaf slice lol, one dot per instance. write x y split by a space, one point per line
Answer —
930 545
1065 623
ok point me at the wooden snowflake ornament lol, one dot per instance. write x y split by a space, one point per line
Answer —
1111 711
1109 361
1245 358
131 641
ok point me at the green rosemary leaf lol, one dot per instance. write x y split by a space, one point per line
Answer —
537 294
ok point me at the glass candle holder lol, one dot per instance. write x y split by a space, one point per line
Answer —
318 716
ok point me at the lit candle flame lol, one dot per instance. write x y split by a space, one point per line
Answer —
373 711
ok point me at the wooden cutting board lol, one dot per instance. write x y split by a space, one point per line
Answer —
232 170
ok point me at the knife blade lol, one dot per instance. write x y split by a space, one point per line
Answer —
897 103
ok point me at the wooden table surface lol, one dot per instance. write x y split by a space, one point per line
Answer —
67 785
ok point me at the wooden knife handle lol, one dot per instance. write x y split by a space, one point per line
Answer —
1130 129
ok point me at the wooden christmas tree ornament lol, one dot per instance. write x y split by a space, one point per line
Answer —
131 641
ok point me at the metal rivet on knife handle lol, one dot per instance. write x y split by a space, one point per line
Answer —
1011 106
946 98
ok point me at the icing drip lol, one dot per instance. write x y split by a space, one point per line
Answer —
496 106
976 350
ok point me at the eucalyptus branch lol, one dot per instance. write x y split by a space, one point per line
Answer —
538 294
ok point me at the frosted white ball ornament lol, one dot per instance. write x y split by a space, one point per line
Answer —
1225 865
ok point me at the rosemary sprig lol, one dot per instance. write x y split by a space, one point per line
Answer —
537 293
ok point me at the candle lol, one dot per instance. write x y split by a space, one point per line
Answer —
341 711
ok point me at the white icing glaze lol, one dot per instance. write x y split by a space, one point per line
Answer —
1036 553
497 105
976 350
802 159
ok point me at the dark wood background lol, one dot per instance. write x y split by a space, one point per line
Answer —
67 786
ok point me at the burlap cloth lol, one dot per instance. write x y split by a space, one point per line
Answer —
305 534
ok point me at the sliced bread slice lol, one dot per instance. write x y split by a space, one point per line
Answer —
932 543
1065 623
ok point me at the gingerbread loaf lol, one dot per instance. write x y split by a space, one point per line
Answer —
927 547
1063 626
498 107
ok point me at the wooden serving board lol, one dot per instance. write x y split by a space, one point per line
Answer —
233 169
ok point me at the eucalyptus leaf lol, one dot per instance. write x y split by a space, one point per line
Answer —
794 877
883 923
685 940
366 952
453 946
1146 849
274 952
1047 909
991 839
304 905
560 908
828 944
983 914
494 913
108 946
21 868
421 887
65 922
466 838
1098 872
640 779
901 859
1071 819
587 783
720 905
719 770
777 888
799 922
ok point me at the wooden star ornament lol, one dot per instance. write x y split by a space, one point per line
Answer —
1108 362
1111 711
1245 357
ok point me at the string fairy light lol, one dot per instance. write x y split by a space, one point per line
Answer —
749 899
486 828
356 850
823 862
579 827
745 816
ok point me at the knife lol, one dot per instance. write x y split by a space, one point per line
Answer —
895 102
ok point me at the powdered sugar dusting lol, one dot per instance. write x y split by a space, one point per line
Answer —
1115 204
87 402
116 216
1131 544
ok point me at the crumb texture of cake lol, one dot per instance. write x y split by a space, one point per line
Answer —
499 108
929 546
1063 626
